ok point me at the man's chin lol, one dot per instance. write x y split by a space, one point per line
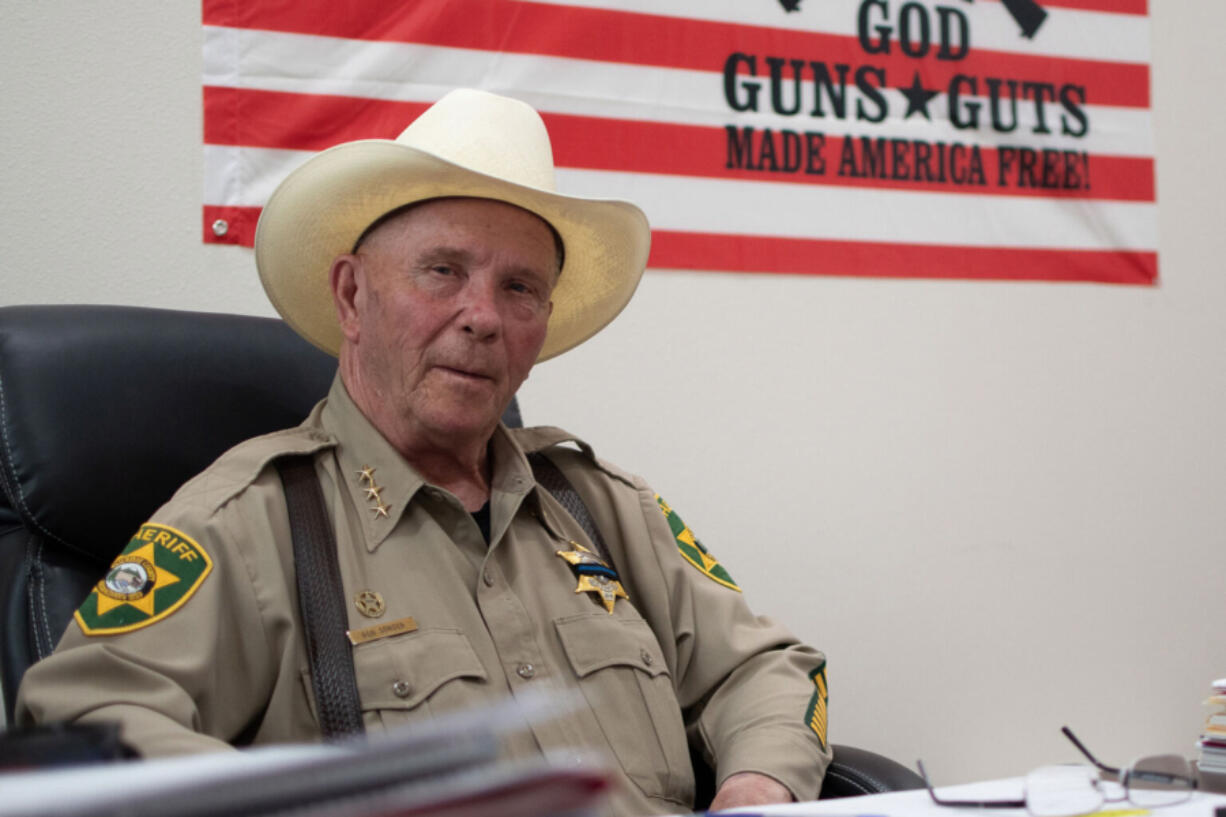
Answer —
462 422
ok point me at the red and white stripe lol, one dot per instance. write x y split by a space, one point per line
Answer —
633 94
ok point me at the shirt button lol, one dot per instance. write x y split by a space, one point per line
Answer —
646 656
488 577
401 689
525 671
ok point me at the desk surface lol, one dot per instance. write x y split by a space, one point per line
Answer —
919 804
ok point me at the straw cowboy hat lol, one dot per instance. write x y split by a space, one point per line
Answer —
469 143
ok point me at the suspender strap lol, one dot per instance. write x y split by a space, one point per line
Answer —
321 600
551 478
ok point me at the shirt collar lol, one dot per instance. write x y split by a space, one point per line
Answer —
374 473
371 470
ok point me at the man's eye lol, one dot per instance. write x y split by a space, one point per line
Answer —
442 269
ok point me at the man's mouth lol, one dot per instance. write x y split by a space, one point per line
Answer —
466 374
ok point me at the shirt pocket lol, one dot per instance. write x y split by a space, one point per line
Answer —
626 682
414 676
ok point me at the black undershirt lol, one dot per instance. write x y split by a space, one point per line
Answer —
482 518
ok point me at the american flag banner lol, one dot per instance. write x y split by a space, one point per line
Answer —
975 139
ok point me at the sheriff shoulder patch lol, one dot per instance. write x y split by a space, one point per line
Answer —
692 550
815 715
155 575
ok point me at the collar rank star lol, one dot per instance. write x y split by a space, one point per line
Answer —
594 575
159 570
366 477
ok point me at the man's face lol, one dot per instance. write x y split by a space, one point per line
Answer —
450 309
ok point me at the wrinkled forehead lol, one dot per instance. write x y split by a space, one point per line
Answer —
389 220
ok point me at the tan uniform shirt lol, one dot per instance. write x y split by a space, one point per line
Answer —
228 664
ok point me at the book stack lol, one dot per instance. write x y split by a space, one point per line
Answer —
1213 738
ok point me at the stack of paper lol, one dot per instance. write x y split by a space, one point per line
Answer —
1213 739
445 767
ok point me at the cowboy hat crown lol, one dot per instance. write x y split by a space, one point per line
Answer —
468 144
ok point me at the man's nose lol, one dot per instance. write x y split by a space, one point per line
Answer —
479 315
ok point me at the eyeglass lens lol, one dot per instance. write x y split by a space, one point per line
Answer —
1159 780
1062 791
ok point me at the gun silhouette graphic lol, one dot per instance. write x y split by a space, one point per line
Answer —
1028 14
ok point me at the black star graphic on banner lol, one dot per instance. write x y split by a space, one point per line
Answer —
918 98
790 5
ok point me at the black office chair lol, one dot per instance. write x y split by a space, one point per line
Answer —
106 410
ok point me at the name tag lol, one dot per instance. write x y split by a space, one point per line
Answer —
384 630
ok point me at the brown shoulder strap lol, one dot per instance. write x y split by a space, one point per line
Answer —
321 600
551 478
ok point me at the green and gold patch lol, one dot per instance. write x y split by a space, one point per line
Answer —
155 575
692 550
815 715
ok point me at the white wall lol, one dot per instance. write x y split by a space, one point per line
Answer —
998 507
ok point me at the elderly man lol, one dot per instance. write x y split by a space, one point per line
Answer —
440 267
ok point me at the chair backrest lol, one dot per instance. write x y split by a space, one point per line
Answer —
104 412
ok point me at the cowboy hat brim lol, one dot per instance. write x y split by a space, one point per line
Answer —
323 206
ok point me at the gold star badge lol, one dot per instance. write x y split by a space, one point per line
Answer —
609 590
595 576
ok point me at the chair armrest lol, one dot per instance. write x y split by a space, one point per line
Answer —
855 771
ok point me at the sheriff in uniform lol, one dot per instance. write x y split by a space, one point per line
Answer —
440 267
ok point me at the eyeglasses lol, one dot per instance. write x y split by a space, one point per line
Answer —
1070 790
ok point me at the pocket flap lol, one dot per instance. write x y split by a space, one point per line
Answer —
402 671
596 640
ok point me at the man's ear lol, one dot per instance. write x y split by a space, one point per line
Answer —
343 279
